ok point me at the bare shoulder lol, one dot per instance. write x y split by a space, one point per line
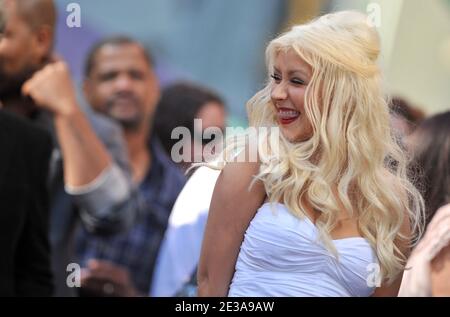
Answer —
237 188
239 174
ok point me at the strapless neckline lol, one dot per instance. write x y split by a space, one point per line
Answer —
283 255
311 223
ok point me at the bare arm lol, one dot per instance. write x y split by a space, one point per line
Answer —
99 184
85 157
233 206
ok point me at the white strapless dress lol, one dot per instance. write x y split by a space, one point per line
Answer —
281 255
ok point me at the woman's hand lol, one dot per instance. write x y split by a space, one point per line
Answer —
430 258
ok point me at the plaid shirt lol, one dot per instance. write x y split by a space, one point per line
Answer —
138 248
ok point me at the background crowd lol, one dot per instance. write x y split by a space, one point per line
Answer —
86 121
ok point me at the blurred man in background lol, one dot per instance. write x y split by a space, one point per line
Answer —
120 82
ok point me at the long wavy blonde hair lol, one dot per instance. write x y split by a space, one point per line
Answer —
360 166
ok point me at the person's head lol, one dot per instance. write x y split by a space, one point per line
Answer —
404 117
183 102
430 145
336 150
27 40
322 71
120 82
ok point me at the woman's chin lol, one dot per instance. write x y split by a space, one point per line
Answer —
295 137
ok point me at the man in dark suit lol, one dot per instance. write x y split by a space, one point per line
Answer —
25 268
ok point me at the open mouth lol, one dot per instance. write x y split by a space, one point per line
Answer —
287 116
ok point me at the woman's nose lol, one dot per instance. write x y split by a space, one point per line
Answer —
279 91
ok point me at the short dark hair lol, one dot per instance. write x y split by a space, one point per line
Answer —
179 105
114 41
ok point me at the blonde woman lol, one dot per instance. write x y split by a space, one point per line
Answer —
334 214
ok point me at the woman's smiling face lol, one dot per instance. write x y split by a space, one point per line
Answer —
291 75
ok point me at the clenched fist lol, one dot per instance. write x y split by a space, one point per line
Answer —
52 89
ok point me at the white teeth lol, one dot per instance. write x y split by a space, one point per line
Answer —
288 114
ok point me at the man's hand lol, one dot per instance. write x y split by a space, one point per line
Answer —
107 279
52 89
